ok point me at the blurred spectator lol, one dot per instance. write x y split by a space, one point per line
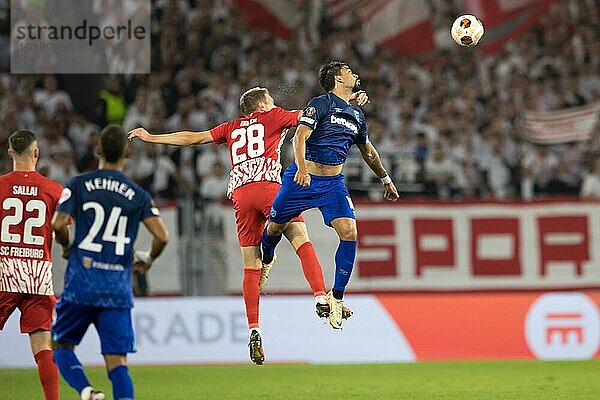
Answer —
88 161
213 191
79 133
454 127
50 97
138 113
59 165
537 168
207 159
590 189
156 173
114 101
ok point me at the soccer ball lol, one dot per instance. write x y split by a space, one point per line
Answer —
467 30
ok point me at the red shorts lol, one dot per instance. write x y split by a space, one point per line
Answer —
36 310
252 205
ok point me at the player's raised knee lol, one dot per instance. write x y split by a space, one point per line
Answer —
346 229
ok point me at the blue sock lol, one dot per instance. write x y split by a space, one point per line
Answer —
71 369
268 244
344 261
121 383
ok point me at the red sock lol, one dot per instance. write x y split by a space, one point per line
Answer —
48 374
251 295
311 268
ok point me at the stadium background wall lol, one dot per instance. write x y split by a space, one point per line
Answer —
385 328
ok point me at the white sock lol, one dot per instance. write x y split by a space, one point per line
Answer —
321 299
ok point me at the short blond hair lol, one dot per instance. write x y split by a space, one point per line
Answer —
250 98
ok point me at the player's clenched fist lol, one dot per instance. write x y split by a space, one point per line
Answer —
391 193
139 133
302 178
361 97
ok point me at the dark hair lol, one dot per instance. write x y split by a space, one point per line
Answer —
20 141
250 98
112 143
328 72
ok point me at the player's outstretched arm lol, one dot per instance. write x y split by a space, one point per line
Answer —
60 223
160 237
371 157
302 134
181 138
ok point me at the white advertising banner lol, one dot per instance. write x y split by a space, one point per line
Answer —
399 327
214 330
451 246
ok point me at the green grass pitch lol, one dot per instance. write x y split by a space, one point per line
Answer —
412 381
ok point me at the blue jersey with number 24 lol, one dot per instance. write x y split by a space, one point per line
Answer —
107 208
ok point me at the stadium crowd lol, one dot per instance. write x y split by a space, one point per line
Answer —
451 130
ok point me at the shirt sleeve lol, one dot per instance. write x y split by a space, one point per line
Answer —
314 112
287 118
363 135
66 202
148 207
219 133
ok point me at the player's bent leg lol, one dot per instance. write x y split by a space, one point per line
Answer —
118 373
251 294
251 258
41 349
71 369
297 235
270 238
344 262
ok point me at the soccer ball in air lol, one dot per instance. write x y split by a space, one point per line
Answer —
467 30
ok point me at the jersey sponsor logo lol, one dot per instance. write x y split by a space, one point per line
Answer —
309 111
344 122
65 195
87 262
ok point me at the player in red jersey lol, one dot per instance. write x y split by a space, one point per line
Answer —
254 143
28 201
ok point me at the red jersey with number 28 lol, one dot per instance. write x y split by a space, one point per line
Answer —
27 203
254 143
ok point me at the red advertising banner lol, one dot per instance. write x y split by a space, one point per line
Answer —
478 246
437 247
454 326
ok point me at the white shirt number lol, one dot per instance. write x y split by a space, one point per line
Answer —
115 230
253 138
32 222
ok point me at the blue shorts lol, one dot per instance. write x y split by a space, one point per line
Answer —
114 326
327 193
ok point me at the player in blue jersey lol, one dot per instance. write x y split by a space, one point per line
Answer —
107 208
328 127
